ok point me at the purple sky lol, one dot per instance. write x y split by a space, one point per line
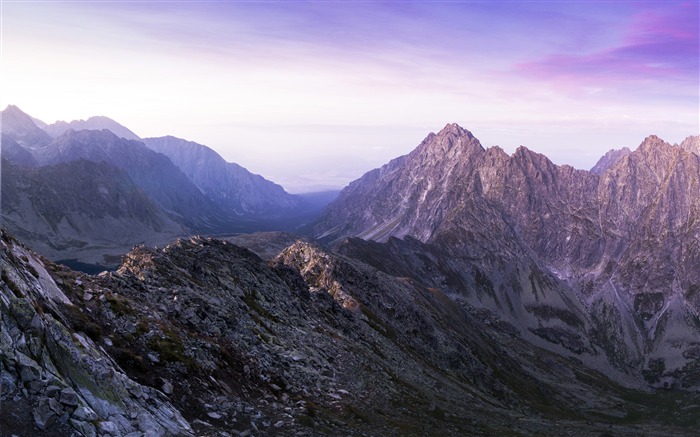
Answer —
313 94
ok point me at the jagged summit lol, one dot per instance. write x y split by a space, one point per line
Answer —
93 123
609 159
653 144
20 127
691 144
455 129
451 140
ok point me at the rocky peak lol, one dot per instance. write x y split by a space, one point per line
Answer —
451 141
21 127
609 159
93 123
691 144
653 144
653 160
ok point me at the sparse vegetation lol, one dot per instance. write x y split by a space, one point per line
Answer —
79 321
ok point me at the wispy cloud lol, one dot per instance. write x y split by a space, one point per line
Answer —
657 44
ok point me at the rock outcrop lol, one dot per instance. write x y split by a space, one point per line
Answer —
58 381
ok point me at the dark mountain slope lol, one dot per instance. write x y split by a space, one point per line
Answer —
153 172
82 210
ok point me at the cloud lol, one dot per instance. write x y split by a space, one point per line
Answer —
660 44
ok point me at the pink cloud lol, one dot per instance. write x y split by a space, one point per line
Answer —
656 45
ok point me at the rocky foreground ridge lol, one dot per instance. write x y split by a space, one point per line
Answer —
203 337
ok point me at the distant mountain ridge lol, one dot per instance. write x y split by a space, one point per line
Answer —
212 197
227 184
93 123
22 129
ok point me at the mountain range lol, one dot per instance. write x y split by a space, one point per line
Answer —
187 182
602 266
456 290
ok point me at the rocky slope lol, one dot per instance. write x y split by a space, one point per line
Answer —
60 381
82 210
307 343
619 250
228 184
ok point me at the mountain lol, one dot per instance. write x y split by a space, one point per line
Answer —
21 128
609 159
692 144
203 337
228 184
82 210
93 123
600 267
15 153
153 172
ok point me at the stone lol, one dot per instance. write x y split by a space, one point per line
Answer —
55 406
52 391
167 387
69 397
85 429
44 416
34 387
85 414
279 424
108 427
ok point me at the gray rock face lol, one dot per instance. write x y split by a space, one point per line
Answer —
228 184
617 247
60 378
